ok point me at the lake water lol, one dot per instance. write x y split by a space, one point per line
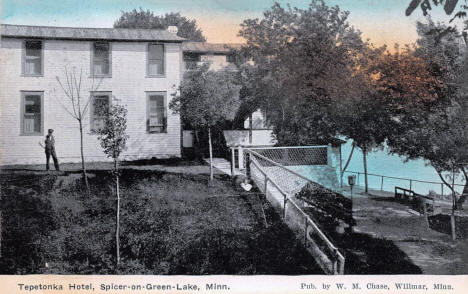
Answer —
381 163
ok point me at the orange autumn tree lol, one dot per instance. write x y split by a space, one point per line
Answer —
432 120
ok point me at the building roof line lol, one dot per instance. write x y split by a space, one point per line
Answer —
204 47
82 33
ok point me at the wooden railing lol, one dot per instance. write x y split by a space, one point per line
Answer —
418 201
327 255
408 180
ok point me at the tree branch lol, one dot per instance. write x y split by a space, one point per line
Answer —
70 87
349 159
444 181
68 96
78 93
464 173
61 86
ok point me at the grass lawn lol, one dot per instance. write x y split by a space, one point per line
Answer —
170 224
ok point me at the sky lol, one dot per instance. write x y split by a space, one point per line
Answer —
382 21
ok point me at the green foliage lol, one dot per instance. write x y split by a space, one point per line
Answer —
449 8
304 61
167 220
426 5
21 252
435 128
435 131
206 98
405 91
327 207
112 136
147 20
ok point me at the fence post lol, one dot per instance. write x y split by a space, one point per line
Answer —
411 185
240 157
442 189
247 164
233 161
342 264
335 261
284 206
425 211
265 187
381 185
305 231
329 155
358 174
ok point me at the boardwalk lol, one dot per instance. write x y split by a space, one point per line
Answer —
223 166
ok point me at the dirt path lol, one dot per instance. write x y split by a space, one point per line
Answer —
433 252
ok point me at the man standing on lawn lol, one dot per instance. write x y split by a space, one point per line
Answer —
50 150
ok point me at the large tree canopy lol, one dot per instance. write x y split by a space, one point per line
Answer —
318 79
303 63
207 98
436 129
148 20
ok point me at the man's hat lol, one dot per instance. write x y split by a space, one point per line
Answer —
51 131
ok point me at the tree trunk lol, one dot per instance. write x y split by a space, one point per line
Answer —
197 147
454 206
117 227
464 195
282 123
250 129
1 221
211 154
0 231
347 161
452 225
443 180
83 166
364 157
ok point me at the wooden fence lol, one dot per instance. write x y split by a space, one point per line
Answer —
316 242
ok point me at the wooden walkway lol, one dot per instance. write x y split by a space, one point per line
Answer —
224 166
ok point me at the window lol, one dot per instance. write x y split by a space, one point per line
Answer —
32 58
156 112
32 113
101 60
100 104
155 59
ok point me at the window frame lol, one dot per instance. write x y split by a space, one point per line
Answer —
165 118
22 112
148 75
93 74
23 58
91 107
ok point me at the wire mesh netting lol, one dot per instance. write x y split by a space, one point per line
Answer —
287 156
280 184
279 164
